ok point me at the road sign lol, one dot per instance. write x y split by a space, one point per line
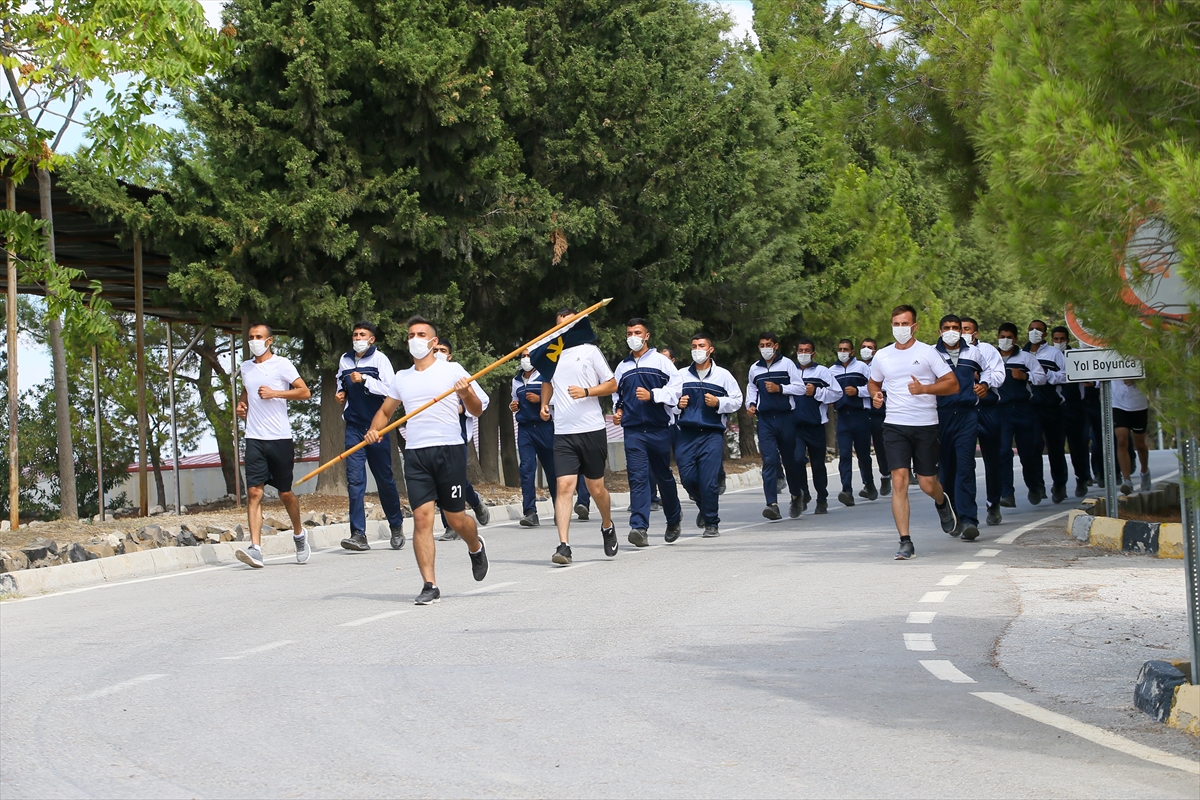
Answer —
1101 365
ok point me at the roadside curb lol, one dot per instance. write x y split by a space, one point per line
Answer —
166 560
1164 692
1161 539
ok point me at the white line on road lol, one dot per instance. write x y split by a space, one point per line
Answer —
952 580
920 617
987 554
483 589
945 671
1090 732
1009 538
919 641
570 567
934 597
354 623
263 649
125 685
970 565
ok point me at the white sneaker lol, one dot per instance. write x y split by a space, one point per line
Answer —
252 555
303 551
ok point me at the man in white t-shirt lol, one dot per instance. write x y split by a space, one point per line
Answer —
1131 416
581 377
912 375
435 459
268 382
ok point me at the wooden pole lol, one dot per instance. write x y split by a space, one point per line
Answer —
140 336
565 323
99 445
174 427
14 471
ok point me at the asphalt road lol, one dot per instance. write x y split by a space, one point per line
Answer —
794 658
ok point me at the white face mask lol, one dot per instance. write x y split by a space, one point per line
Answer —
635 343
418 348
438 355
361 346
1004 343
699 356
951 338
258 347
1062 346
902 333
767 353
804 359
866 354
969 338
843 357
1036 336
526 364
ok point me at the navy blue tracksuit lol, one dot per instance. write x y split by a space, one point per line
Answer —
1019 421
776 425
362 402
853 423
811 416
958 420
646 425
701 447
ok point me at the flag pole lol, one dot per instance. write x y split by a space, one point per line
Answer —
565 323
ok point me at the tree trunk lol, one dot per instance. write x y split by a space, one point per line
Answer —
159 486
68 499
333 437
489 437
509 458
746 430
474 468
217 415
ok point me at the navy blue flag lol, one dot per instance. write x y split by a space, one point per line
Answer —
544 355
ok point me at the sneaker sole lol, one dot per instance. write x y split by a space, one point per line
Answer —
302 558
354 547
427 602
245 559
557 559
582 512
905 558
846 499
970 534
771 514
636 542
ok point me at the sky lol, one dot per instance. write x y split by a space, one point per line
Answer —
34 360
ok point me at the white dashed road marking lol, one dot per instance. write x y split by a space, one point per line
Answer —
987 554
354 623
945 671
919 641
125 685
970 565
483 589
263 649
952 580
934 597
920 617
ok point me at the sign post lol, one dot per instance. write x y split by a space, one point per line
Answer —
1104 366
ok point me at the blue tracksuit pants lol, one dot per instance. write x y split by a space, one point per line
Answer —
956 465
854 431
700 454
379 456
1019 421
535 443
776 441
648 461
989 449
810 448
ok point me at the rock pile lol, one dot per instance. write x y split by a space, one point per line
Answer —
43 552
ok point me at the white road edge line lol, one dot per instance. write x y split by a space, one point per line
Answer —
952 580
945 671
483 589
1090 732
1009 538
919 641
125 685
934 597
570 567
920 617
354 623
263 649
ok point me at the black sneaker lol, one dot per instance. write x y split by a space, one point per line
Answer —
807 497
673 532
885 487
479 561
822 507
721 483
863 493
563 554
954 534
1058 494
1081 488
1035 495
845 498
946 514
429 594
448 535
482 515
655 505
581 511
1042 491
796 506
710 532
398 538
970 533
357 542
530 521
699 519
637 538
872 492
772 511
993 515
906 550
1008 501
610 540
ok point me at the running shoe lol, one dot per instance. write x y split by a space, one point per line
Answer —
796 507
970 533
710 532
673 532
482 515
303 551
1008 501
530 521
479 561
637 538
993 515
807 497
1035 495
1058 494
954 534
946 514
1081 488
398 537
906 550
429 594
846 498
699 519
448 535
252 555
885 487
1146 482
822 507
581 511
563 554
1127 487
872 492
610 540
772 511
863 493
357 542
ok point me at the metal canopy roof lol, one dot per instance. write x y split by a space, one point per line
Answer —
93 246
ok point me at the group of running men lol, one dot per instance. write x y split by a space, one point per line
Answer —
923 408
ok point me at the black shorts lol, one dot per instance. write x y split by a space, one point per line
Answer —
912 445
1136 421
581 452
437 474
270 461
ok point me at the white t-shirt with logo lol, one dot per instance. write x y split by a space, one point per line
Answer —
440 425
895 369
267 419
582 365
